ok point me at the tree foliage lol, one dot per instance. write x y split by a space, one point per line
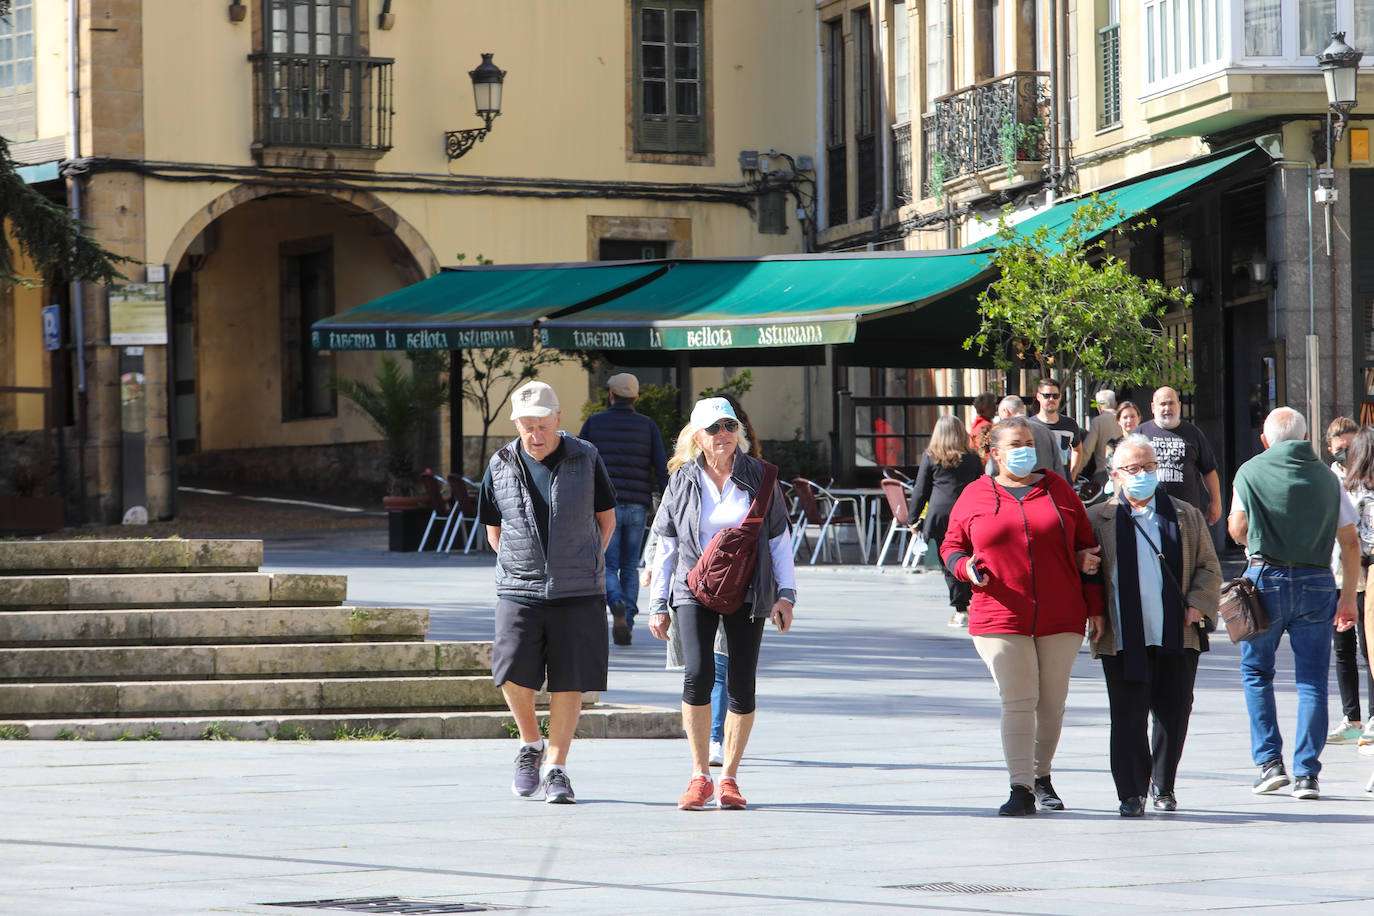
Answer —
491 375
1065 306
398 403
47 235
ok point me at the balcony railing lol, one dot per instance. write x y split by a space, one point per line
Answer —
929 139
901 164
995 123
322 101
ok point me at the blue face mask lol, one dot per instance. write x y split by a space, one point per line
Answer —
1140 486
1019 461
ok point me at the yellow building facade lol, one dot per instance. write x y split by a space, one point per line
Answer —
267 163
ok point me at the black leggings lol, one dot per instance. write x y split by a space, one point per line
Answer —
743 636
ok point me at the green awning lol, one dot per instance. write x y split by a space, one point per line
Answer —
465 307
1131 198
767 302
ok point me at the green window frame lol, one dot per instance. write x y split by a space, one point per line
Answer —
669 42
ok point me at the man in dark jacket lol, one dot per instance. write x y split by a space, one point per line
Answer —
632 449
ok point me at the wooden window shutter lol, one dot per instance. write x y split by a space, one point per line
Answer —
669 76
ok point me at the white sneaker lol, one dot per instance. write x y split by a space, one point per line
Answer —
1366 740
1346 733
717 756
958 619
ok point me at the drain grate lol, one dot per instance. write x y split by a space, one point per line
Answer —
956 887
392 905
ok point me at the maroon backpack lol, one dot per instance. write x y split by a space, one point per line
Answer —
725 570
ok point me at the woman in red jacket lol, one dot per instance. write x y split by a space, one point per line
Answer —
1021 539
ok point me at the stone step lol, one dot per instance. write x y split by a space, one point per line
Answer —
342 696
199 626
149 590
603 720
221 662
147 556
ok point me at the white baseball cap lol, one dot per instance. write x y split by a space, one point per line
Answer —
709 410
533 399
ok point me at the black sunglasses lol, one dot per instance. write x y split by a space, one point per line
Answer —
729 426
1050 395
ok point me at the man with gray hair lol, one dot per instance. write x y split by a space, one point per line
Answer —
1288 511
1102 431
1047 456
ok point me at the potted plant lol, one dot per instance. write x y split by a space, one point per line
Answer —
400 403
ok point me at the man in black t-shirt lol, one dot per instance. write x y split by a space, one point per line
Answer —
1066 430
1187 465
549 509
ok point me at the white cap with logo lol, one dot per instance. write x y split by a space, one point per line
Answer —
533 399
710 410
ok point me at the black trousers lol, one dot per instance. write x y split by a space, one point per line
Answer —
1347 645
1139 758
960 592
743 639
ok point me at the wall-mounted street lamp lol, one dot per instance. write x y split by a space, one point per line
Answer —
486 90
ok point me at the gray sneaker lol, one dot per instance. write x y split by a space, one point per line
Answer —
1272 776
528 760
558 788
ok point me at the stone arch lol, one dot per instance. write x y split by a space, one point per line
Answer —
420 260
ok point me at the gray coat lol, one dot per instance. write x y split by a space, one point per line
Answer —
574 563
679 516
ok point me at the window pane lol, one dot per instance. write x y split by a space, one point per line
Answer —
23 45
901 63
1190 35
652 25
24 73
6 76
935 53
1151 51
684 63
1263 28
685 27
1316 22
686 96
23 17
655 97
6 49
1364 25
653 65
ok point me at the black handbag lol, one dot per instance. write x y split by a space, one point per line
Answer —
1242 610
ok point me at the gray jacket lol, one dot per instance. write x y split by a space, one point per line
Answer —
679 516
574 563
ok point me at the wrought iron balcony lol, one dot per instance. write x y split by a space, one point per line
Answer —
307 100
999 122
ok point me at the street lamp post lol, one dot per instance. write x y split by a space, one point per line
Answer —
487 80
1339 64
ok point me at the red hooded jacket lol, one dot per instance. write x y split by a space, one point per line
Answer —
1027 548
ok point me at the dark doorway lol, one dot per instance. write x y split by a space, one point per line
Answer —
632 250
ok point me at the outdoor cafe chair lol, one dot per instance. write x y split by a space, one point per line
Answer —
896 492
822 508
467 513
441 510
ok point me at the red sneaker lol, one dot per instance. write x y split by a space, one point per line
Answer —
727 796
698 793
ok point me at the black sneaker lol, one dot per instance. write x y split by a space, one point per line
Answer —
1045 794
1021 803
558 788
620 629
1306 787
1132 807
1272 776
1166 801
527 762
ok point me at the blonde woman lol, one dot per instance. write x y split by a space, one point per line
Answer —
711 483
946 468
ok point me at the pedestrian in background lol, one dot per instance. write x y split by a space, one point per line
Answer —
946 468
1102 432
712 483
1067 433
1159 579
1047 455
1288 509
1187 465
549 509
985 414
632 449
1356 460
1022 539
1348 646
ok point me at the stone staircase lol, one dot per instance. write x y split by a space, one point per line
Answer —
184 639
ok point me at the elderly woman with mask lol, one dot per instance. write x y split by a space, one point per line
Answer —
712 482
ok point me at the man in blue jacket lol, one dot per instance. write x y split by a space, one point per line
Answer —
632 449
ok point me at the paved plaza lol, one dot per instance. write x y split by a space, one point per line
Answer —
873 778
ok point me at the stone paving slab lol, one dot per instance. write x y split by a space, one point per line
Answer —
56 557
875 767
140 590
178 626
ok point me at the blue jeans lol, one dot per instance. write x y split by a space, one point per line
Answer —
622 558
1302 603
718 704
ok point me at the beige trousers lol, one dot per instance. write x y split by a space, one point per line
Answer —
1032 676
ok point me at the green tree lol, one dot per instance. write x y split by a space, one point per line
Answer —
491 375
399 404
1065 306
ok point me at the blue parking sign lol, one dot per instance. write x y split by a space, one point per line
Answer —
52 328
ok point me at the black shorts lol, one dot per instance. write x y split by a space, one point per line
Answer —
565 643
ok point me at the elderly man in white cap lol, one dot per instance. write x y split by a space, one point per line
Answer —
549 509
632 448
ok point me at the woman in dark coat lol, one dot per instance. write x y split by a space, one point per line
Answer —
946 468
